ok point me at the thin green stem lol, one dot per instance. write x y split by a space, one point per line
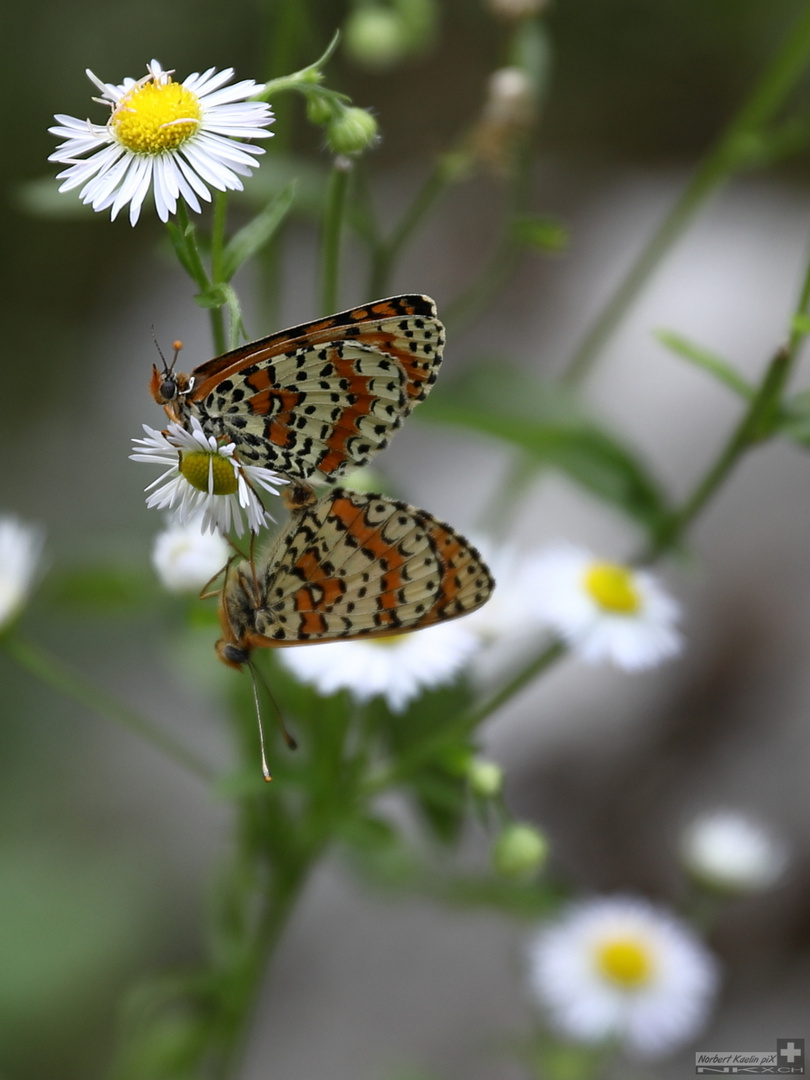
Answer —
755 426
387 251
731 151
334 215
57 674
546 658
218 235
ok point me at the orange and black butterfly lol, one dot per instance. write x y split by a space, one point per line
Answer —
318 399
350 565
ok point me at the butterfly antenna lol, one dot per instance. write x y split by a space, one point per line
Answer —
176 345
289 739
265 770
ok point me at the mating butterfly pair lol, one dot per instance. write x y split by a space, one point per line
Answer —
313 402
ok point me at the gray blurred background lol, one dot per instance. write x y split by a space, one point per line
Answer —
106 850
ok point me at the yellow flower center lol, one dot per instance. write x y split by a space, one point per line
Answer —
624 961
156 117
613 588
389 639
195 468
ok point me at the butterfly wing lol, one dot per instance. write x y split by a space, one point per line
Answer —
323 397
356 565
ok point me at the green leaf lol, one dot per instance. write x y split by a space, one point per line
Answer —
710 362
545 422
542 232
101 590
258 232
180 243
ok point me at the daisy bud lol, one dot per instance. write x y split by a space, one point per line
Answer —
352 131
319 110
485 778
731 852
520 851
374 37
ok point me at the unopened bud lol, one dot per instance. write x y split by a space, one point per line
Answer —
374 37
352 131
519 852
485 777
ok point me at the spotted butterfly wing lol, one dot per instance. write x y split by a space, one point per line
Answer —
349 566
320 398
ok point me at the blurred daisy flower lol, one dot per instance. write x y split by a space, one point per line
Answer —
203 477
512 610
20 551
186 558
178 139
603 610
625 969
397 668
729 850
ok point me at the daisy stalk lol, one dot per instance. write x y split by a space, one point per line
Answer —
747 137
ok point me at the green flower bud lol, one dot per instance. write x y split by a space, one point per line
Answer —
375 37
319 109
519 852
485 777
352 131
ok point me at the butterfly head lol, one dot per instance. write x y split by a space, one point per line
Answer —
167 385
232 653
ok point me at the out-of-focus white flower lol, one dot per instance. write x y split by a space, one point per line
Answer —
186 558
204 479
605 611
729 850
177 139
20 551
397 668
622 968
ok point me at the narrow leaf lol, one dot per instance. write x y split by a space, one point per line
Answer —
710 362
258 232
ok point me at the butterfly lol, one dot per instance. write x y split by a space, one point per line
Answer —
350 565
317 399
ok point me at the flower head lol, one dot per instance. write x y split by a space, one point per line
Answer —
203 476
397 668
175 138
729 850
623 968
605 611
20 550
186 558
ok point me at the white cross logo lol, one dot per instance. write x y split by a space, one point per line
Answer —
791 1052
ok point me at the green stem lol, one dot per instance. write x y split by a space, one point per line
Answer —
58 675
334 213
388 250
755 426
729 153
199 274
546 658
239 1015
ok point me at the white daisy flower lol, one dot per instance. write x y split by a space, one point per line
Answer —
625 969
729 850
20 551
204 477
397 668
178 139
512 610
186 558
604 610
